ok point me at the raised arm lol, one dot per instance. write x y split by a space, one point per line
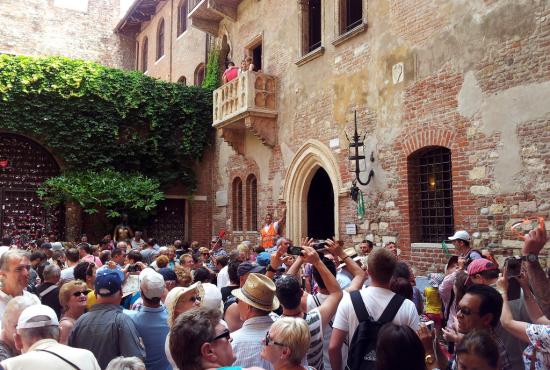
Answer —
352 266
282 220
514 327
534 242
533 309
329 306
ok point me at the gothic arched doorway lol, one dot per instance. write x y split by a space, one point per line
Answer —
320 206
24 166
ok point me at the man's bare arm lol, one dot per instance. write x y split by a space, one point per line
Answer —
534 242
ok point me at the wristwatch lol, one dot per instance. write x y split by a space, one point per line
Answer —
429 359
532 257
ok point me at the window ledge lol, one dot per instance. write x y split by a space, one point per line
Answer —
349 34
431 245
310 56
160 59
181 34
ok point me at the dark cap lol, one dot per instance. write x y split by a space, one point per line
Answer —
107 283
168 274
46 246
247 266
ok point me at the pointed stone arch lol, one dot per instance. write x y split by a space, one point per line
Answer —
305 163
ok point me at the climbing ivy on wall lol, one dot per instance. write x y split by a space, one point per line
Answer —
212 78
94 117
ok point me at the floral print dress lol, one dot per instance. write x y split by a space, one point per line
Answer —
537 355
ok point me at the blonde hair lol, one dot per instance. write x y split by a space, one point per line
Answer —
66 291
176 294
184 276
294 333
244 248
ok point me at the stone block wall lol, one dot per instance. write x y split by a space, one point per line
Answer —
82 29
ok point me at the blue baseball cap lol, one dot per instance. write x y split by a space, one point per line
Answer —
263 259
107 283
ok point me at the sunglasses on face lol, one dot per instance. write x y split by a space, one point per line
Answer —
81 292
224 334
268 340
465 311
195 298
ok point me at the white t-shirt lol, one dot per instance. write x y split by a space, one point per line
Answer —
375 299
223 277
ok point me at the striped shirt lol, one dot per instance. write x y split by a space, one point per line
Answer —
315 351
247 342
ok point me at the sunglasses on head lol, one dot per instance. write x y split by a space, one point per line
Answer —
81 292
268 340
224 334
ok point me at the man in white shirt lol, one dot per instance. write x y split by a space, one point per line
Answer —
14 273
37 335
376 297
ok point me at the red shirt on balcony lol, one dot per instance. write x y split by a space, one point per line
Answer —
230 73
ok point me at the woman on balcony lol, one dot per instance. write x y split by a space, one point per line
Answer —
230 73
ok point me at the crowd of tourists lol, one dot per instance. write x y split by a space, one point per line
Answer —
128 303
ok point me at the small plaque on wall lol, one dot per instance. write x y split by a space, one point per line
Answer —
221 198
351 229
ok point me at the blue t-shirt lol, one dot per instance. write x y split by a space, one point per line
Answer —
152 326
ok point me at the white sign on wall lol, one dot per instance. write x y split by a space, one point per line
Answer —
351 229
221 198
398 73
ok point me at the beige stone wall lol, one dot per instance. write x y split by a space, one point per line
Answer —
475 79
182 54
79 29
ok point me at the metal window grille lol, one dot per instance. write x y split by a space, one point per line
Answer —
237 204
434 198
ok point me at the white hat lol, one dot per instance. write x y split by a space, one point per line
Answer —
460 234
34 311
212 297
151 283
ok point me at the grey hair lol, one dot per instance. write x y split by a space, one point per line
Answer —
279 241
16 305
11 254
33 335
51 271
126 363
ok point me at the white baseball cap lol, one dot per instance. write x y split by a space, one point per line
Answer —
460 234
34 311
151 283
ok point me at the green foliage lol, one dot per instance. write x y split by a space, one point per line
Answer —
109 190
212 79
94 117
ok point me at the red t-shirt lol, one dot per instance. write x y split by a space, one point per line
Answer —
232 73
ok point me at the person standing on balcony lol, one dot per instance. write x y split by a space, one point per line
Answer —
230 73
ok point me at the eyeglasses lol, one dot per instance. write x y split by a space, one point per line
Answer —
224 334
268 340
206 254
81 292
465 311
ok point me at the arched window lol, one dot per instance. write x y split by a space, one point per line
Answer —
430 194
144 52
199 74
160 39
252 203
182 17
237 204
182 80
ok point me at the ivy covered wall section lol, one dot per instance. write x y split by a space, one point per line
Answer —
94 117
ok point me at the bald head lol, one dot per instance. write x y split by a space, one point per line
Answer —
9 321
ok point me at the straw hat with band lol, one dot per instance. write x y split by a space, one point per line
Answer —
174 296
258 291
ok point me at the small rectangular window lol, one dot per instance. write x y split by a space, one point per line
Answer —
314 25
351 14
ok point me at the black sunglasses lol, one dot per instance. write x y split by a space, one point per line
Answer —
81 292
224 334
269 340
195 298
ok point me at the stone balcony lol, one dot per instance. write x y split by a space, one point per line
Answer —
248 102
207 14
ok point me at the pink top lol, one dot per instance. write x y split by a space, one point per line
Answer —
231 73
93 259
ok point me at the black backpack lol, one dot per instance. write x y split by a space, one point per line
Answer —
362 350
